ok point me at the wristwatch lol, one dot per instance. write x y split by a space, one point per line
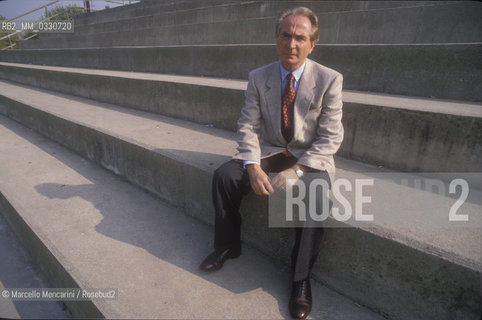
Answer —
299 172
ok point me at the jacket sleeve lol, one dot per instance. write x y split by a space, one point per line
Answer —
329 130
249 125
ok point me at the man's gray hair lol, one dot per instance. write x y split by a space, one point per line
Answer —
301 11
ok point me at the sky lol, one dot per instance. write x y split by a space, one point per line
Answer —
12 8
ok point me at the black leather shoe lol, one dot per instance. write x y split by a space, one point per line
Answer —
300 300
216 259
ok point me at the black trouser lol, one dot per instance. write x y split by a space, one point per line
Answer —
230 184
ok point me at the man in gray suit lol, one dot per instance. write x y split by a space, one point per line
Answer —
290 124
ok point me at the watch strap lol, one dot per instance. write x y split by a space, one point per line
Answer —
298 171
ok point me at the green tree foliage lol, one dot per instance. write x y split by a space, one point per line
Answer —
58 13
64 13
7 42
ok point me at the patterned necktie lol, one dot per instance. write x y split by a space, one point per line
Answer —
288 103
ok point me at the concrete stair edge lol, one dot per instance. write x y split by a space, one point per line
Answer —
404 64
444 106
60 274
366 116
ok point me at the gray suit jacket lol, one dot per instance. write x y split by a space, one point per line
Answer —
318 131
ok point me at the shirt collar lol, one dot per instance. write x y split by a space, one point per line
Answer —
296 73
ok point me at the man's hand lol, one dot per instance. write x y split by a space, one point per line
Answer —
287 178
259 180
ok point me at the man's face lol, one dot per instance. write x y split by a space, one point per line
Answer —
293 42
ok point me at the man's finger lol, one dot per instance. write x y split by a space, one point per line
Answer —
258 188
262 192
278 184
268 187
265 186
279 181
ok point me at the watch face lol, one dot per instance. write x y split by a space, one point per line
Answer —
299 173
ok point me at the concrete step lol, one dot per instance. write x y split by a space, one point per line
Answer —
81 222
374 124
180 10
18 270
438 71
409 269
455 23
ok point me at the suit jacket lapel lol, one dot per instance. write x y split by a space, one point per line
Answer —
304 96
273 99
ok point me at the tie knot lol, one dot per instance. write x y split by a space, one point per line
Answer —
290 77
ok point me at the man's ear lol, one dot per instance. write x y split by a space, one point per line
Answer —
313 44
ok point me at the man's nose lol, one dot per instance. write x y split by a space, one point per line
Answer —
292 43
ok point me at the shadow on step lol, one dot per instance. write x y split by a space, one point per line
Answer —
134 217
172 237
